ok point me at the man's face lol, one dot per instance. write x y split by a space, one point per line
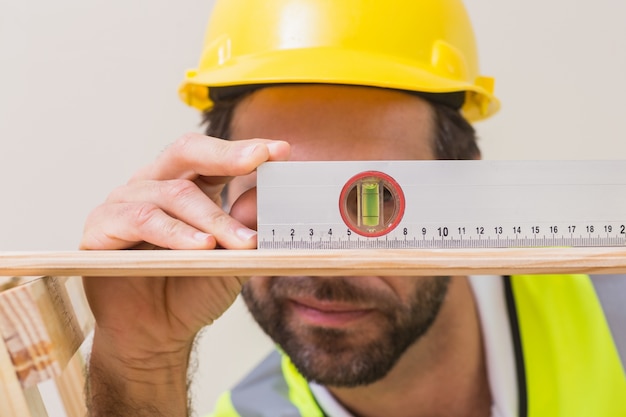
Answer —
340 331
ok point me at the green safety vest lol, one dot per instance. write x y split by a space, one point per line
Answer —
565 331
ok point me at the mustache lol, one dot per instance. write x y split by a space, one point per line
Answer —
336 289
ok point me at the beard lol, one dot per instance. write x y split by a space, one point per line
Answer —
345 357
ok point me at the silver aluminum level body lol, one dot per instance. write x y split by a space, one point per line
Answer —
449 204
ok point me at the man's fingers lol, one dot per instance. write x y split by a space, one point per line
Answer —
122 225
182 201
196 155
175 201
241 209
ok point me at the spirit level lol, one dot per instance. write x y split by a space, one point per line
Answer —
441 204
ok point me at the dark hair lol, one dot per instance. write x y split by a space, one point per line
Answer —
455 137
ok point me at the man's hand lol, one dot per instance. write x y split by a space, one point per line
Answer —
145 326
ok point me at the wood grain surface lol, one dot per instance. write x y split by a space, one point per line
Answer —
316 262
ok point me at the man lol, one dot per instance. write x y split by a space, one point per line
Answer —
322 80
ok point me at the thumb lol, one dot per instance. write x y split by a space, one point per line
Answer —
244 209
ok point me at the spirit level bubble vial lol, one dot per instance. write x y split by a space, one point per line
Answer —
371 203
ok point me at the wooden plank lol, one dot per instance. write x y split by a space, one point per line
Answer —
71 387
71 382
12 399
35 403
317 262
39 328
10 282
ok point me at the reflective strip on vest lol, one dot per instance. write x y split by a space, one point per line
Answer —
611 291
572 367
570 328
274 389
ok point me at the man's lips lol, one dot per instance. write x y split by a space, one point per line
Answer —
328 313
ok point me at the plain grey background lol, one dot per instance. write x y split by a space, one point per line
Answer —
88 94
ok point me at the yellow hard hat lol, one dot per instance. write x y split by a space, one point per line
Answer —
424 46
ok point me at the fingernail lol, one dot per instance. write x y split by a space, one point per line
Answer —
274 146
245 233
201 237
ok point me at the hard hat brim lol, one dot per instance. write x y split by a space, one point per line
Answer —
334 66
